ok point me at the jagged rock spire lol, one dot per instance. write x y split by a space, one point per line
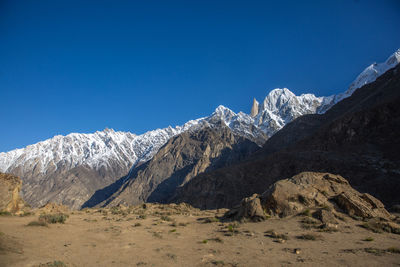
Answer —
254 108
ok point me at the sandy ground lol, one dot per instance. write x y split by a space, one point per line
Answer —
160 236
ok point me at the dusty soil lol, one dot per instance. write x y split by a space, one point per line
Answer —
161 235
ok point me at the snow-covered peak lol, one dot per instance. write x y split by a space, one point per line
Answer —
276 98
97 150
281 106
223 113
281 98
372 72
369 75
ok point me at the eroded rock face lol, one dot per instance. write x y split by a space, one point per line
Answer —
362 205
10 200
324 192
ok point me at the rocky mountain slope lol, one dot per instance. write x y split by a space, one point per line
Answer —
69 169
175 164
357 138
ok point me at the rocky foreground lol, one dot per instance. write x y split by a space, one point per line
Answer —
171 235
311 219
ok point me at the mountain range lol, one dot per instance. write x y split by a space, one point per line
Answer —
358 138
109 167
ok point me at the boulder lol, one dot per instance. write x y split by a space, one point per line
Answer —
313 190
325 193
325 216
250 209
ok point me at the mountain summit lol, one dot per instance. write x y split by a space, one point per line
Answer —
69 169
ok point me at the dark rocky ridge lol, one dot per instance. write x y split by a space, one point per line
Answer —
358 138
175 164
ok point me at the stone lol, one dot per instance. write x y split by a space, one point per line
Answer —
326 217
250 209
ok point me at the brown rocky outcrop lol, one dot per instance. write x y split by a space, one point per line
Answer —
250 209
324 193
10 200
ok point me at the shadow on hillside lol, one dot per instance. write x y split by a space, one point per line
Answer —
166 190
103 194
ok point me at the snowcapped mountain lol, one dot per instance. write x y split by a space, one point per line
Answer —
94 150
282 106
369 75
68 169
373 71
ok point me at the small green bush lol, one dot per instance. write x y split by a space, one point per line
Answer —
273 234
215 262
368 239
327 229
54 218
312 237
37 223
166 218
26 214
375 251
393 250
5 213
216 239
53 264
158 235
326 207
209 219
171 256
306 212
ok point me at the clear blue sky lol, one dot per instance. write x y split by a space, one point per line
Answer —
81 66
